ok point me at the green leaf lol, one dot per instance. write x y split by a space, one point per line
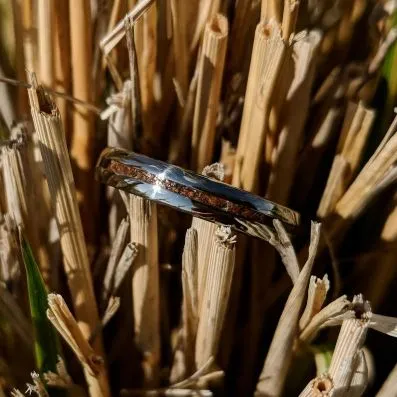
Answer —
47 347
322 356
389 73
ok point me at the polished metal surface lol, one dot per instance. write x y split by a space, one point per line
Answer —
192 193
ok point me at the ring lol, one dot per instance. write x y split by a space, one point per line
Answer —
192 193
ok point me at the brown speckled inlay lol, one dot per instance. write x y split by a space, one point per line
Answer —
196 195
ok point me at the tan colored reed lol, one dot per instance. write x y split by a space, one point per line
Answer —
45 21
367 180
113 37
296 108
9 254
82 142
242 31
62 66
115 254
354 134
62 319
360 377
59 379
29 43
147 69
316 295
145 284
180 45
285 249
205 238
210 72
350 341
184 363
55 155
271 9
278 359
14 183
125 263
318 387
207 9
267 57
290 16
135 94
215 295
22 102
180 143
331 315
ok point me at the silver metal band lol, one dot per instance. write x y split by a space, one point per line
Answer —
192 193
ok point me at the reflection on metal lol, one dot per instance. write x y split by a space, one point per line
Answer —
192 193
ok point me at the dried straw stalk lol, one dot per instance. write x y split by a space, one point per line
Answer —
83 138
205 234
7 115
205 237
207 9
28 38
360 377
290 16
215 295
135 101
57 166
348 346
62 319
296 106
59 379
326 125
22 101
285 75
177 151
271 9
147 68
145 283
121 132
316 296
190 298
331 315
62 68
246 17
211 65
114 16
45 21
19 167
116 35
9 270
318 387
180 45
126 261
267 57
278 359
184 364
14 183
354 134
347 374
352 202
115 254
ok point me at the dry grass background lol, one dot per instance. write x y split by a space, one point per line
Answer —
103 293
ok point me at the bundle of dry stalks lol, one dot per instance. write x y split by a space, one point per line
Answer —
291 100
